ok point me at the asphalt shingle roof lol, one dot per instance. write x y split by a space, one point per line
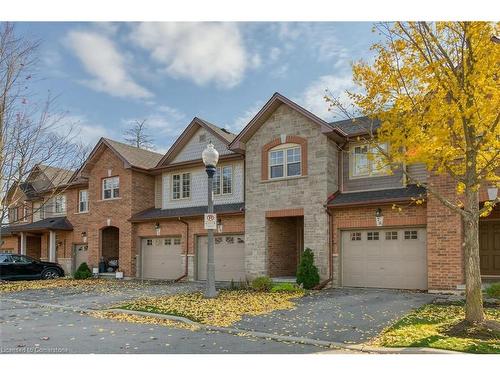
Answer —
57 176
52 223
406 193
135 156
226 134
157 213
357 125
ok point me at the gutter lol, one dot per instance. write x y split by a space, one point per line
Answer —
186 267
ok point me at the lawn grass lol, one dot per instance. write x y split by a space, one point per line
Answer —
85 284
225 310
429 326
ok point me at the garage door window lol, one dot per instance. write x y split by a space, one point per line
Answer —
168 241
411 235
355 236
391 235
218 240
372 236
177 241
149 242
229 239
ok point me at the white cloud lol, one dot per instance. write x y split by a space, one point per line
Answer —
319 37
81 130
274 54
102 60
201 52
313 97
241 121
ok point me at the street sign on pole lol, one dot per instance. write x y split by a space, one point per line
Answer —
210 221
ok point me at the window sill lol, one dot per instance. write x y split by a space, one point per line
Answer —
81 212
282 179
109 200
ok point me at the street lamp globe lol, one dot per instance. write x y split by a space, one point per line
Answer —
210 156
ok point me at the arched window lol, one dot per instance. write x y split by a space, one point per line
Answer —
285 161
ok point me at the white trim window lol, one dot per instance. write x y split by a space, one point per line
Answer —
83 200
285 162
181 186
25 211
111 188
60 204
366 161
223 180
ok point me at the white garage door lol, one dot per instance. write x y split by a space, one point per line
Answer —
161 258
229 257
385 258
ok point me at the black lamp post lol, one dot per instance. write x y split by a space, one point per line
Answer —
210 158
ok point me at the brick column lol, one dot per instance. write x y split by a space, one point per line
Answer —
444 238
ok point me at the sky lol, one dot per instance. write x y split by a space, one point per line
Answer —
108 75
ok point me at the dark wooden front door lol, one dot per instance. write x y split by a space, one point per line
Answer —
489 247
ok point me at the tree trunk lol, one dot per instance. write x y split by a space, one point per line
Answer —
473 295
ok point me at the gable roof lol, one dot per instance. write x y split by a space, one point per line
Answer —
57 176
224 135
132 157
272 104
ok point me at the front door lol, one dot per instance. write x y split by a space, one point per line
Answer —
489 248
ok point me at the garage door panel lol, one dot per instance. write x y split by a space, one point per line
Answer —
392 261
161 259
229 255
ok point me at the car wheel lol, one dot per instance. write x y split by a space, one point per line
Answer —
50 273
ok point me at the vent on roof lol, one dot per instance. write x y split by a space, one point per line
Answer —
225 131
202 138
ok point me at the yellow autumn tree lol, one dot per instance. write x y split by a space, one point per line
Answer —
435 87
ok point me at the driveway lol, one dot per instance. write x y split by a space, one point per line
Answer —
351 315
25 328
338 315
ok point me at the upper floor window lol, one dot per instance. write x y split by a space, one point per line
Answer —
285 162
366 161
38 211
83 200
111 187
223 180
181 186
60 204
13 214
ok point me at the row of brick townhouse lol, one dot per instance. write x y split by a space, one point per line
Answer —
288 181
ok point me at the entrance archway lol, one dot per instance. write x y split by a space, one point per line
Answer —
110 247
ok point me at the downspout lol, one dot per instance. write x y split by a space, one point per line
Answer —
186 266
330 254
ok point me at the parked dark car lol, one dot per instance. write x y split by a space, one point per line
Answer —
22 267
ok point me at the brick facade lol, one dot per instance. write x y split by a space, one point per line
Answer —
283 245
364 218
232 224
444 239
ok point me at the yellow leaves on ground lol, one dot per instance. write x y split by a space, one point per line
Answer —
427 327
228 308
18 286
142 319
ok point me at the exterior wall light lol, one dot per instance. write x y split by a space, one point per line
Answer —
157 228
220 227
84 236
492 192
379 217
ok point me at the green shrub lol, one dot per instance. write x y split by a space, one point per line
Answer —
262 284
284 287
493 291
83 272
239 285
307 272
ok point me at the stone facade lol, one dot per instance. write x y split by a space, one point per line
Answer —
307 192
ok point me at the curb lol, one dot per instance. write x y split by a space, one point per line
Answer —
294 339
237 331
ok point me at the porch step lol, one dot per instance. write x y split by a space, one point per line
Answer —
284 279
